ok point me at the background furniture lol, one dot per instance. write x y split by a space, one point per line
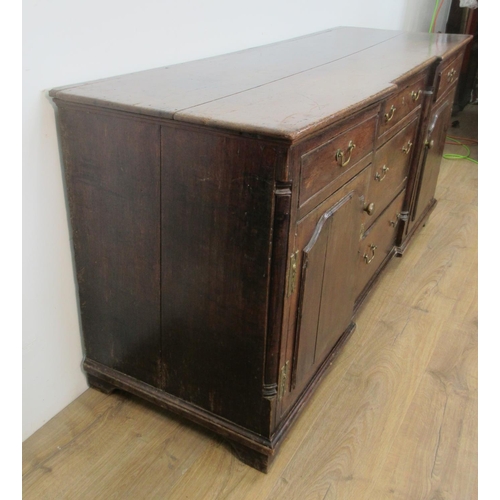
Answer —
465 21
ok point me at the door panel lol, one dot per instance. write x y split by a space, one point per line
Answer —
313 269
326 291
336 221
434 147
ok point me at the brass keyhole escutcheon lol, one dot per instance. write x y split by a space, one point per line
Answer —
369 258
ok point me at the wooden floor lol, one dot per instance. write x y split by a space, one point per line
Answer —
395 418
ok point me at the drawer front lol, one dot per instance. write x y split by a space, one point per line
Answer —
390 170
448 76
403 103
336 158
377 242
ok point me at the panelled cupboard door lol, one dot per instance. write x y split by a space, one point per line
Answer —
326 290
434 147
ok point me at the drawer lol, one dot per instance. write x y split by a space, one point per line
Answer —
377 242
448 76
401 104
390 170
335 160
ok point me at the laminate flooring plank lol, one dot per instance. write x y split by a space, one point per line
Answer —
457 178
439 270
451 229
438 436
435 443
77 418
109 457
365 411
443 416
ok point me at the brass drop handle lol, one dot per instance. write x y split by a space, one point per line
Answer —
415 95
406 149
389 116
369 209
394 222
451 74
366 257
429 144
339 155
380 178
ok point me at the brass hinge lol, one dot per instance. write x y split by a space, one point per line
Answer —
292 273
283 377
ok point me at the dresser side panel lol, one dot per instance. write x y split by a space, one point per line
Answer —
217 216
112 168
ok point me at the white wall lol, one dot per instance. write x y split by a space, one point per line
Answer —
418 15
66 42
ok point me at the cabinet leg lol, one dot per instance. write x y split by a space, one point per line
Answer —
251 457
100 385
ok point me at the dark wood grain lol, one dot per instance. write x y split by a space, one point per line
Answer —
314 261
390 169
416 162
421 175
217 220
337 297
100 384
447 76
338 177
322 165
383 235
277 285
436 134
112 167
401 104
298 313
108 376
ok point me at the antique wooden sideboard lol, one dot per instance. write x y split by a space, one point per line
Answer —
229 215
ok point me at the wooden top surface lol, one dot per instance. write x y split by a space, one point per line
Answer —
285 89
